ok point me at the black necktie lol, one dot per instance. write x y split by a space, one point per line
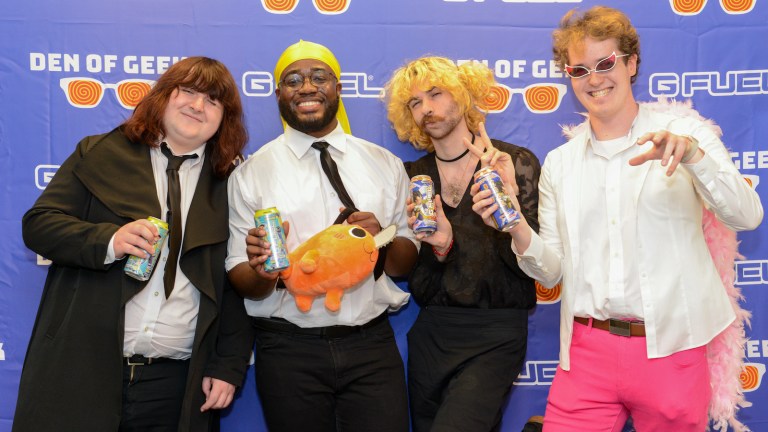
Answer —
173 217
332 172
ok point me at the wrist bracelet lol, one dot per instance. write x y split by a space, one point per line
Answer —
450 246
692 150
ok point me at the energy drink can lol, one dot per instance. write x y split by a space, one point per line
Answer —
506 216
270 220
141 268
423 196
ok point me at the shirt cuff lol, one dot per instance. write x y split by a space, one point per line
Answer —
704 170
110 258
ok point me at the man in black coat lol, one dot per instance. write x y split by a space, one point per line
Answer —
109 352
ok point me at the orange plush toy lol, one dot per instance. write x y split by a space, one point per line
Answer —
332 261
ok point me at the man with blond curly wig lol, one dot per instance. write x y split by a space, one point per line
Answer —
468 343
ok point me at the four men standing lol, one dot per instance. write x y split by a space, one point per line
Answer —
626 193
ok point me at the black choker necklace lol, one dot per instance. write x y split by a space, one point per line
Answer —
457 157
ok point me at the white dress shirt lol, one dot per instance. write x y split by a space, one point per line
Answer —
156 326
683 301
286 173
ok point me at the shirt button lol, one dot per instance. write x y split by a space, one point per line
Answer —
146 329
156 293
333 194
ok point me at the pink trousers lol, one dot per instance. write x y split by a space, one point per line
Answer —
611 378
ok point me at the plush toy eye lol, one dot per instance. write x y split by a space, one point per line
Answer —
357 232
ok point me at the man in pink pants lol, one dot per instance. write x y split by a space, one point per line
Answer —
621 208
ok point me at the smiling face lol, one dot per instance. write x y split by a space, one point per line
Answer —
435 111
191 118
310 108
607 96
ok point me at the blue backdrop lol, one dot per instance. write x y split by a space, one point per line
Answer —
55 56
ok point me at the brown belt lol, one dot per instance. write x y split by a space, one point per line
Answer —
614 326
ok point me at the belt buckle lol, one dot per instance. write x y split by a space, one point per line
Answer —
130 363
619 328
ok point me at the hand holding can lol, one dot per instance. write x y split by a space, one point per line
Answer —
269 219
422 190
141 268
505 216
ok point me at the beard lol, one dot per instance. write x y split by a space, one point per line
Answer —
311 125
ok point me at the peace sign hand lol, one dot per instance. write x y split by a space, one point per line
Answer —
500 161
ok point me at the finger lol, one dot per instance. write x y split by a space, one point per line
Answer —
484 137
474 189
206 386
488 213
286 228
498 155
481 195
644 138
475 150
676 158
669 147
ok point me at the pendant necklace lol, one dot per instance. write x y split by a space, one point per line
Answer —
452 189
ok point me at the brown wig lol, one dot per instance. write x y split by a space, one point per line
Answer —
204 75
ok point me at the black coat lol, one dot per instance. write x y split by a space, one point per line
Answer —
72 376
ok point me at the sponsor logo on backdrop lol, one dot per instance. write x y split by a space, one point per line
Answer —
537 373
538 98
756 348
548 295
82 91
2 353
44 174
752 180
694 7
751 376
752 272
750 159
353 85
325 7
715 83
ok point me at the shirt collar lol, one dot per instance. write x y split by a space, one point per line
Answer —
300 143
200 152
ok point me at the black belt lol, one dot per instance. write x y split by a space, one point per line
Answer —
332 332
140 360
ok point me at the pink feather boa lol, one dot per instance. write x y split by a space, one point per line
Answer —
725 352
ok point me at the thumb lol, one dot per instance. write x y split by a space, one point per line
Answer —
207 386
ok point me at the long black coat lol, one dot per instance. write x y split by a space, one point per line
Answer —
72 376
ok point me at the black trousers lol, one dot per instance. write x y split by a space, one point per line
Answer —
152 398
461 366
326 383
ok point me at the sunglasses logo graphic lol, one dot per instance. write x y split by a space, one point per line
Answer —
751 376
694 7
83 92
752 180
542 98
325 7
548 296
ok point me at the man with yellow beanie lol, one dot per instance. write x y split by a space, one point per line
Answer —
322 370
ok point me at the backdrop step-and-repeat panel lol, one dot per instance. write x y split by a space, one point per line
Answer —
708 51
